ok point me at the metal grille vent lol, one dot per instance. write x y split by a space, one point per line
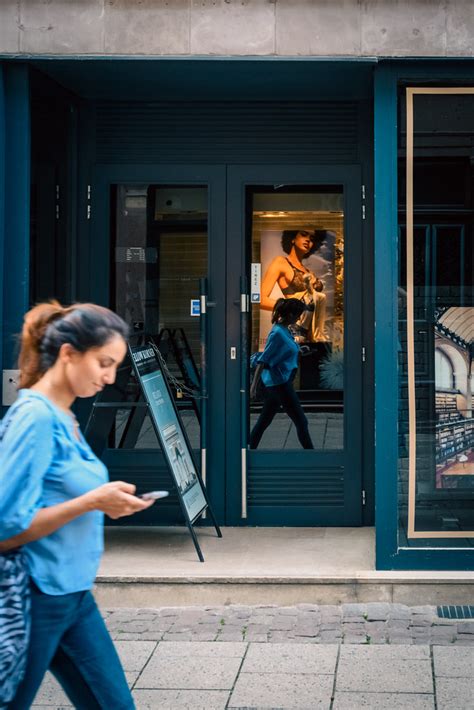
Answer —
456 612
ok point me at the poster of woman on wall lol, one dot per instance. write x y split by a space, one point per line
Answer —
300 263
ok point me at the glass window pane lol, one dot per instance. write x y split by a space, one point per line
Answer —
160 248
436 318
297 252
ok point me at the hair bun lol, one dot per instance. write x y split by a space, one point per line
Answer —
37 320
34 327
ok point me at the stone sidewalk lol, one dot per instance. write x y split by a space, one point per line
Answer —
370 623
375 656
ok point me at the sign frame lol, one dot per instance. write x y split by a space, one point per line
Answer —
172 436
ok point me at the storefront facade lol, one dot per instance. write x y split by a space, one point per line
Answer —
142 183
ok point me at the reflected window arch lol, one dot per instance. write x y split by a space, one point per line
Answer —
444 371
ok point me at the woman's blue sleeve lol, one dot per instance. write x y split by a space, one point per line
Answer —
275 351
26 452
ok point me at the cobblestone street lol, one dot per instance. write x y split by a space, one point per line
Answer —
371 623
379 656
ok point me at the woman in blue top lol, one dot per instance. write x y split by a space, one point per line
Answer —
280 363
54 493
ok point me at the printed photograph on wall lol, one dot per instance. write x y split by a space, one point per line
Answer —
300 263
453 359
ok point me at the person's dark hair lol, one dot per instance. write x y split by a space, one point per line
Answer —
317 237
287 311
47 326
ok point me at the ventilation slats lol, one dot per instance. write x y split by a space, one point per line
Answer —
236 132
288 487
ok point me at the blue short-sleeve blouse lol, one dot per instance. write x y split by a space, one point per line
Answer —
42 463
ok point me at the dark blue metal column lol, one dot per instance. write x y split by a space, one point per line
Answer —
16 206
386 365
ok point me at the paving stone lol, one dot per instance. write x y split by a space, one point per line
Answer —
51 693
256 638
455 693
205 636
289 691
169 636
283 623
286 658
283 637
383 701
330 636
353 626
465 627
398 623
439 633
151 636
134 654
385 669
330 626
378 611
191 672
399 611
198 649
453 662
236 635
357 610
181 699
288 611
417 622
136 626
445 622
124 636
376 626
425 610
331 610
355 638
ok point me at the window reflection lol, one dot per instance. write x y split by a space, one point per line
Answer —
436 318
160 235
297 245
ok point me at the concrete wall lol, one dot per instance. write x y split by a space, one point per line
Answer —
238 27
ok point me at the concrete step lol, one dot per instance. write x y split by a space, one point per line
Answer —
154 567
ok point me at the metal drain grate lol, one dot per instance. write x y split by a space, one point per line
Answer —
456 612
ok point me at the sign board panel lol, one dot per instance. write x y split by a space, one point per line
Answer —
169 430
195 309
255 283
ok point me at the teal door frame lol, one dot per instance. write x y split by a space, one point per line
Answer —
97 264
348 461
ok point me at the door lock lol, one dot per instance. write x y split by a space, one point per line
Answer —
233 353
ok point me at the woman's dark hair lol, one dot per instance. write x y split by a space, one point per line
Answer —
287 311
317 237
47 326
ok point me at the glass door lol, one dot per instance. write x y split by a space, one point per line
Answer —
300 435
160 224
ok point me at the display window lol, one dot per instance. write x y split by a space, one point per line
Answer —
436 317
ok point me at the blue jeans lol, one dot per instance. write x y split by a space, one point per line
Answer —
69 638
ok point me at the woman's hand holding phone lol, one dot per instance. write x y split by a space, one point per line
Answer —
117 499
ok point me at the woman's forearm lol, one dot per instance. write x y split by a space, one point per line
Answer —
47 520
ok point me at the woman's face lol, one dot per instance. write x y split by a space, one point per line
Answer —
88 373
303 241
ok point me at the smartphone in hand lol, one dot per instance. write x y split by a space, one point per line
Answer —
153 495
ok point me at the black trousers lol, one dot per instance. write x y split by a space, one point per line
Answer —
281 396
